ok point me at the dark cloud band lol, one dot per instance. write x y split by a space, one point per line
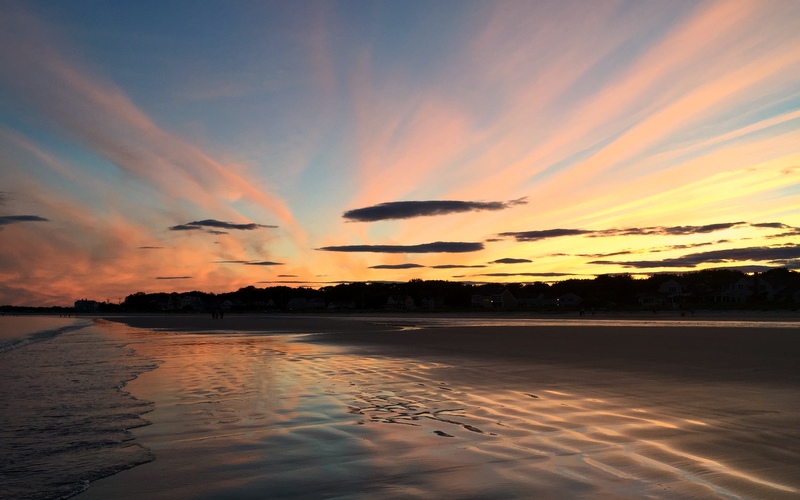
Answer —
457 266
777 255
411 209
396 266
532 275
15 219
217 224
509 260
636 231
436 247
250 262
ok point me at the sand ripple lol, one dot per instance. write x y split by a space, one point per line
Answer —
244 414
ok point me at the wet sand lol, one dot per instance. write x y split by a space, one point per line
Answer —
370 408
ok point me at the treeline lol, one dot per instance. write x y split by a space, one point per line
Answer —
697 290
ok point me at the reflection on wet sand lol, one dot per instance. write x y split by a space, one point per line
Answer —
248 415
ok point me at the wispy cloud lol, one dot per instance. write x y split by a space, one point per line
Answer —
629 231
396 266
778 255
202 224
250 262
435 247
544 234
458 266
510 260
150 248
411 209
174 277
532 275
15 219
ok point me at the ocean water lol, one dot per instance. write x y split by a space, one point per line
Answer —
65 417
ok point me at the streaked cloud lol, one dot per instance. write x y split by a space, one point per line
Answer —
411 209
174 277
779 255
251 262
458 266
16 219
532 275
435 247
632 231
396 266
544 234
202 224
510 260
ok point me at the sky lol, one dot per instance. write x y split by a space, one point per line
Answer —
176 146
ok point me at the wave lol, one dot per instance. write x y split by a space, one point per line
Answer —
42 335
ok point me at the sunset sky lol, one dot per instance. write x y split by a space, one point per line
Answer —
160 146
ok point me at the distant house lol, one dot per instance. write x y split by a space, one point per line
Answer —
431 302
86 306
316 303
341 305
737 292
569 299
504 299
297 304
191 303
671 288
399 302
650 300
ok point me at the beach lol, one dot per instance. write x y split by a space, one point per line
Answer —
305 406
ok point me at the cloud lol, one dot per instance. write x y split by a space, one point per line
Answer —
201 224
4 195
396 266
411 209
250 262
667 231
539 275
14 219
629 231
435 247
776 255
287 276
174 277
545 233
601 255
509 260
774 225
457 266
150 248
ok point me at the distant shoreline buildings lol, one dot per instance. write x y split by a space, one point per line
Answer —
714 289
